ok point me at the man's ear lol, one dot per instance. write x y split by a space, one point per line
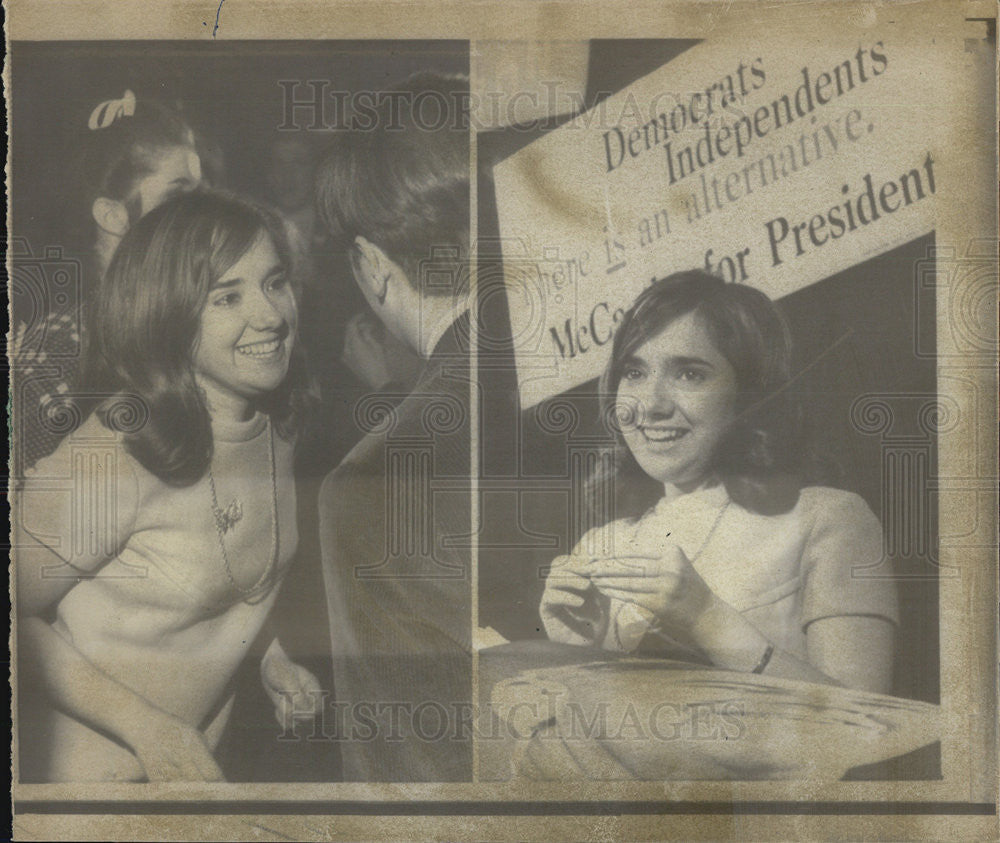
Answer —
110 215
373 269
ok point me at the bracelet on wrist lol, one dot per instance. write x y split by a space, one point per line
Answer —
765 659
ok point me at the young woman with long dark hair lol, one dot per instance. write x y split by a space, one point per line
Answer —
150 545
719 545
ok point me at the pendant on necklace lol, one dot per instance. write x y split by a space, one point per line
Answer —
226 519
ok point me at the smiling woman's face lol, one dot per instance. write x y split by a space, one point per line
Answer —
676 399
247 329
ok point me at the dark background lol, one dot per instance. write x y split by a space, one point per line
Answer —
227 90
855 333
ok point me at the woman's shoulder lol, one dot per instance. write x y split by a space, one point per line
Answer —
89 471
821 499
836 510
96 437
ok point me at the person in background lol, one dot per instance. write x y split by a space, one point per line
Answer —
133 155
395 523
353 351
289 184
720 548
352 355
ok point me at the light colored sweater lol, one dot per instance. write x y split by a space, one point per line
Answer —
821 559
155 607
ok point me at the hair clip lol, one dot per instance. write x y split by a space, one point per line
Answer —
109 111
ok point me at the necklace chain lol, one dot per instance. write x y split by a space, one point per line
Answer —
223 522
711 532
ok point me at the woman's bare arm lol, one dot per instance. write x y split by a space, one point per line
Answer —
856 650
853 651
166 747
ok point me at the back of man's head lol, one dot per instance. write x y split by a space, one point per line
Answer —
399 178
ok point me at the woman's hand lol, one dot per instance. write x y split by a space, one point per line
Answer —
292 689
170 749
167 748
672 590
666 586
572 609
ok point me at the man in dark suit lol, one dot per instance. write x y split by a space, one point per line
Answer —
395 526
